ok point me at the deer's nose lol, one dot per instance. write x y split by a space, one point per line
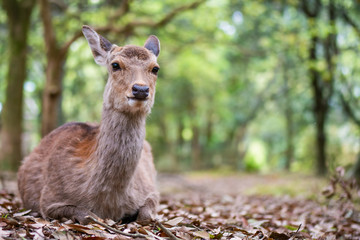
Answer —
140 92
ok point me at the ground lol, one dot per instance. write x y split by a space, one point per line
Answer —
214 206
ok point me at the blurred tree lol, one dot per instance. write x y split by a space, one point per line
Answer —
350 107
348 91
253 53
289 116
56 56
322 81
18 22
236 84
320 104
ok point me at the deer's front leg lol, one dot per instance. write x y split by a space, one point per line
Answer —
54 208
147 212
76 214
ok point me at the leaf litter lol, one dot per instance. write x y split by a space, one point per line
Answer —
201 215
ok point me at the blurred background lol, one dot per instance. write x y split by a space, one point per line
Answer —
245 85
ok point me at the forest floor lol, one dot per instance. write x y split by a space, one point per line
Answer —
214 206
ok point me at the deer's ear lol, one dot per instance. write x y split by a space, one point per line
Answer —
153 44
98 44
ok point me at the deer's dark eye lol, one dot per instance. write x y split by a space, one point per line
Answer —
115 66
155 70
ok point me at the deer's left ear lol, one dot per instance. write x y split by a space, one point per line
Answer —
153 44
98 44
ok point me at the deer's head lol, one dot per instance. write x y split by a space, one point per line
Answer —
132 72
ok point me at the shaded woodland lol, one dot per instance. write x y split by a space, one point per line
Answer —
246 85
264 86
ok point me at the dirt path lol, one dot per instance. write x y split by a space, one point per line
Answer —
230 184
294 185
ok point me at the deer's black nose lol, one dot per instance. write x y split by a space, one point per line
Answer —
140 92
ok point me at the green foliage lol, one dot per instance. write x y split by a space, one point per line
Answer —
83 86
230 73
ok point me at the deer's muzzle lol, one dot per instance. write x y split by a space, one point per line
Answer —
140 92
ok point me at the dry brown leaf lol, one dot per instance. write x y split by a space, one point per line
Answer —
173 222
202 234
279 236
93 238
21 213
205 216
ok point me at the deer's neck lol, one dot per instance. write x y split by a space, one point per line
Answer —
120 142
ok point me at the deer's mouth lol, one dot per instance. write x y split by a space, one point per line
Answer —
137 99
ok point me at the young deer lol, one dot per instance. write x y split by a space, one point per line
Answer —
107 171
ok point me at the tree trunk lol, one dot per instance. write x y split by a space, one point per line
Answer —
18 15
350 112
355 170
319 110
322 86
52 93
323 90
196 149
238 148
289 154
321 167
56 57
179 143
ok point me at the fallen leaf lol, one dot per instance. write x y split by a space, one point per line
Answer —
110 222
18 214
80 228
279 236
10 221
4 233
93 238
202 234
61 235
256 223
173 222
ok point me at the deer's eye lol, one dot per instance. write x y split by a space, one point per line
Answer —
155 70
115 66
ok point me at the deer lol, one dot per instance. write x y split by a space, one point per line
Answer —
101 170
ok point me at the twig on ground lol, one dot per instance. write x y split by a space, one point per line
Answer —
136 235
295 233
165 230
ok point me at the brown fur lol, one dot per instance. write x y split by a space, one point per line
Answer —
134 51
87 146
105 170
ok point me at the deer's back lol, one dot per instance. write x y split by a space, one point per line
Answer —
53 156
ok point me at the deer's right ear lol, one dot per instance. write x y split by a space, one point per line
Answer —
98 44
153 44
